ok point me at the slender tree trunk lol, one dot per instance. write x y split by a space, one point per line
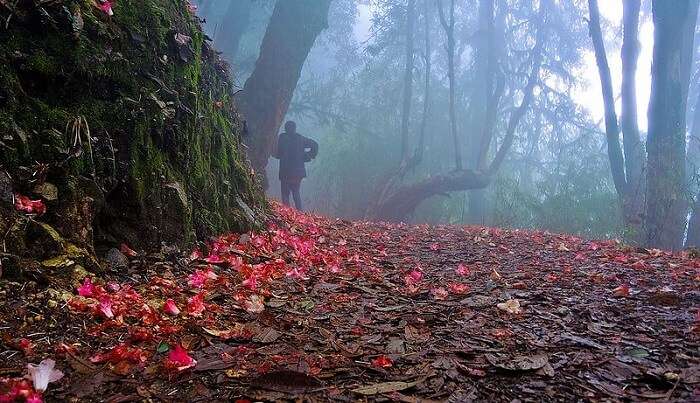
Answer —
403 201
290 35
408 78
612 131
666 180
635 157
485 67
234 24
528 91
428 72
449 27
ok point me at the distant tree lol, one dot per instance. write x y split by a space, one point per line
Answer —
627 168
404 199
666 198
408 78
266 96
235 23
449 26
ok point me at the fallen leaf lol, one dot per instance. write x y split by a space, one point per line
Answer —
286 381
511 306
385 387
518 363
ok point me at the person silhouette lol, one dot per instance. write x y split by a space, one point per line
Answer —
293 151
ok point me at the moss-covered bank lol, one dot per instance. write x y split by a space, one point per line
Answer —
130 116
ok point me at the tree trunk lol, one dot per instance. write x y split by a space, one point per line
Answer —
693 240
389 182
449 27
666 198
290 35
234 24
408 78
404 201
485 67
418 156
635 157
692 165
612 131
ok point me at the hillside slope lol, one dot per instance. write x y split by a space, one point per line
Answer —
121 125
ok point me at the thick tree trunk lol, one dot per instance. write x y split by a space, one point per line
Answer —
692 165
666 198
408 78
693 240
291 33
404 201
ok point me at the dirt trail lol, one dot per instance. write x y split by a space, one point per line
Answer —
331 309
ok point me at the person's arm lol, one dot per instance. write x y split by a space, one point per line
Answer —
312 147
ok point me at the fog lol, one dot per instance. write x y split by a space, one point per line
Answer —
504 113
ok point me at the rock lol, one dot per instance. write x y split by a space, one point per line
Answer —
44 243
116 259
47 190
58 262
78 274
6 196
9 266
250 215
176 214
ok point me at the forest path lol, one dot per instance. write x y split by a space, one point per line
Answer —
352 309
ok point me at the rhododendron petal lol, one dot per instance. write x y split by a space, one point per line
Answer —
297 273
87 289
105 6
462 270
27 346
106 307
382 362
24 204
170 307
458 288
413 277
439 293
43 374
179 359
34 398
195 305
622 291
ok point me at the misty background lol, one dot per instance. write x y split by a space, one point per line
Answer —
351 98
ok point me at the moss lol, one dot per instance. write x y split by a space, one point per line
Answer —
155 118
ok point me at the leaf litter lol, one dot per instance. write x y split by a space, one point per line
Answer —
336 310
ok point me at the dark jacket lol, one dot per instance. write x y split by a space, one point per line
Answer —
293 150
